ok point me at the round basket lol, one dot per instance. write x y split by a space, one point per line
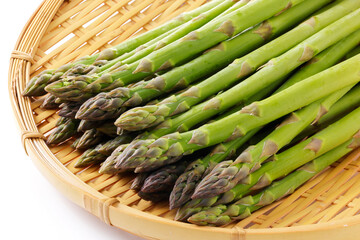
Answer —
59 31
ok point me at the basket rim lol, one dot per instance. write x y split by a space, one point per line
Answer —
58 174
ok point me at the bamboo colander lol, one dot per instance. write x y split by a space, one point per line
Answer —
59 31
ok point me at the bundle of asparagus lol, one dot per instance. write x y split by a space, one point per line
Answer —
213 107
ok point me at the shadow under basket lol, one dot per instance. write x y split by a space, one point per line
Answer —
326 207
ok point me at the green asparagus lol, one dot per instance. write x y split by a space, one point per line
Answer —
139 181
50 102
85 125
152 115
108 167
36 85
102 151
283 163
90 138
221 215
153 152
186 183
107 104
66 128
69 109
175 53
254 156
164 178
89 157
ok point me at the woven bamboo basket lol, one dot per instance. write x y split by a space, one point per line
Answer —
59 31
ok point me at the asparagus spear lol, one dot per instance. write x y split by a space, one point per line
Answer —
285 162
152 45
152 115
109 103
189 180
186 183
160 132
254 156
137 41
108 166
50 102
210 34
164 178
36 85
102 151
89 157
108 147
224 178
105 66
69 109
88 139
342 107
66 128
224 214
345 105
354 52
60 121
128 57
226 6
154 197
85 125
108 128
156 133
169 148
139 181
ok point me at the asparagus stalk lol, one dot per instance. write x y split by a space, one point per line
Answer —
254 156
108 166
60 121
186 183
224 178
108 147
139 181
354 52
210 34
345 105
128 57
85 125
50 102
66 128
154 197
102 151
164 178
36 85
152 115
195 23
152 45
156 133
284 163
137 41
342 107
168 148
90 138
89 157
221 215
109 103
69 109
108 128
105 66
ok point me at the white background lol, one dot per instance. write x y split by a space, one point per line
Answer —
31 208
